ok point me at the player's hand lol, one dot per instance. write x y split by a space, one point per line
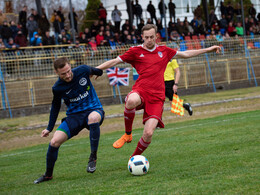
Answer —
215 48
45 133
175 88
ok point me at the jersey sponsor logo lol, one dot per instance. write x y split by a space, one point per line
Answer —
160 54
68 91
141 56
83 81
80 97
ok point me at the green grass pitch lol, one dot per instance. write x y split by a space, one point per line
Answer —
217 155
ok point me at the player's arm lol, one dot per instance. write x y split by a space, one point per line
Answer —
109 64
55 109
95 71
193 53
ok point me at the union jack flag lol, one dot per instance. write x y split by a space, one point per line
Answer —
118 76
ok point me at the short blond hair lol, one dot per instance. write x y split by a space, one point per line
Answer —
149 27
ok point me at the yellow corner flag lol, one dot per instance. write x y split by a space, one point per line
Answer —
177 105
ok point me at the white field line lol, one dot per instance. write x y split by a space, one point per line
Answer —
134 134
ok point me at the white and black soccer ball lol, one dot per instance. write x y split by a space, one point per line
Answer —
138 165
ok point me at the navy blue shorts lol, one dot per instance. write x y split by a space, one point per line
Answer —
74 123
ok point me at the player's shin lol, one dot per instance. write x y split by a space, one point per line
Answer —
94 134
129 115
141 147
51 157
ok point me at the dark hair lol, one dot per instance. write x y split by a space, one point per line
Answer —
149 27
60 62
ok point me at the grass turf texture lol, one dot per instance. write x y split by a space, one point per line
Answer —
218 155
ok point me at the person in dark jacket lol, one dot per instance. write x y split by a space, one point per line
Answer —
44 24
47 39
20 39
6 32
152 11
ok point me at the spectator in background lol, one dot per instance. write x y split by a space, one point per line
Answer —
160 7
116 17
99 38
183 30
252 11
118 38
65 37
2 45
14 29
230 10
212 17
126 26
231 29
238 12
20 39
102 13
172 7
87 33
75 19
47 39
93 44
44 25
152 11
35 15
62 18
203 28
32 26
128 40
57 27
6 32
2 17
223 8
198 12
11 44
23 20
36 40
138 12
140 26
94 28
83 39
239 29
223 22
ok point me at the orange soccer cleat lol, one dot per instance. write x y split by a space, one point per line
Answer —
120 142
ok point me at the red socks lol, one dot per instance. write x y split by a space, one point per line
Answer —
129 115
141 146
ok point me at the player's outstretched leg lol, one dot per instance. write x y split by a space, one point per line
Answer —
129 115
188 107
91 168
52 155
94 135
124 139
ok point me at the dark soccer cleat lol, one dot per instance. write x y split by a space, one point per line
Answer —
42 179
91 168
188 107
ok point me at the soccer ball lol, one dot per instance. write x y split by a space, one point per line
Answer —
138 165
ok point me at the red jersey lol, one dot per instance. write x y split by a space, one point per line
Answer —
150 65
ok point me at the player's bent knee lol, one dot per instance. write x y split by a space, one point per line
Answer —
148 135
55 143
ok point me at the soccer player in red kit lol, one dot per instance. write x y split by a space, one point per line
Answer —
148 93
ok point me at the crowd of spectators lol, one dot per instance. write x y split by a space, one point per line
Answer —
34 30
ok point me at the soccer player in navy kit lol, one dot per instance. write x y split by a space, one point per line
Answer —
84 110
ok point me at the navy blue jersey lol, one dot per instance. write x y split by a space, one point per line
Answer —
78 94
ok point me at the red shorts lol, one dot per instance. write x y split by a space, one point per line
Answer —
153 108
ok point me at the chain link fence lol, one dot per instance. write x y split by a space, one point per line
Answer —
27 73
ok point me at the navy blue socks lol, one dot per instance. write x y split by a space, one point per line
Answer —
52 155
